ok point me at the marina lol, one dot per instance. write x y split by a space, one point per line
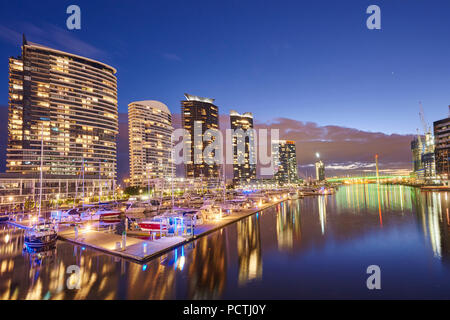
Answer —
135 245
219 150
281 251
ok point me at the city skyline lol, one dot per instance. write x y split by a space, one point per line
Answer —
380 73
224 150
345 123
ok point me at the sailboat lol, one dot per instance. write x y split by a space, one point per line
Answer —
41 235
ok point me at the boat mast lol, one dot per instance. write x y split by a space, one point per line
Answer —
99 182
148 182
42 164
113 182
82 202
76 188
171 165
224 179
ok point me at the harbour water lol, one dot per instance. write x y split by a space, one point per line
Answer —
316 247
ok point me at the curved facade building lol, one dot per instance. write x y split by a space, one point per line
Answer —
68 101
150 129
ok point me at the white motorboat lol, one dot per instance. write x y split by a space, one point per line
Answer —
157 224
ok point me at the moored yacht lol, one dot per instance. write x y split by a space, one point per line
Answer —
41 236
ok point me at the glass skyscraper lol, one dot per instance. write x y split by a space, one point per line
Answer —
285 160
202 110
244 171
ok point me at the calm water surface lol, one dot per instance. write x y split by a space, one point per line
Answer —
317 247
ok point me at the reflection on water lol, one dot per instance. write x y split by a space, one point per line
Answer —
322 201
288 225
249 250
207 274
433 210
373 197
316 247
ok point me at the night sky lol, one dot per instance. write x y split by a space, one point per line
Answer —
310 67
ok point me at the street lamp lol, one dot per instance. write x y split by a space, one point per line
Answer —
11 199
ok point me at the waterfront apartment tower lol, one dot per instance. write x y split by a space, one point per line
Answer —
285 161
150 132
67 104
442 148
320 171
244 158
417 151
203 112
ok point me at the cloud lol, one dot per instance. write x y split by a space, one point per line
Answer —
171 56
66 40
52 36
343 150
10 36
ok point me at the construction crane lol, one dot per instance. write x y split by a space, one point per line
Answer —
426 129
419 139
429 141
427 154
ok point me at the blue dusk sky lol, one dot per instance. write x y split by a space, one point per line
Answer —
308 61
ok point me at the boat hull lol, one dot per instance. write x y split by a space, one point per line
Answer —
41 242
111 217
152 227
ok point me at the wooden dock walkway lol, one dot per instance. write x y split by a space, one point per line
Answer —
143 250
140 250
136 249
210 227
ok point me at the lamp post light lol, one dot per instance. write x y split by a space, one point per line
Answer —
11 203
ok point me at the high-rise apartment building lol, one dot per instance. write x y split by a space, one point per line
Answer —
320 171
206 114
417 151
442 148
150 131
67 104
244 166
285 161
